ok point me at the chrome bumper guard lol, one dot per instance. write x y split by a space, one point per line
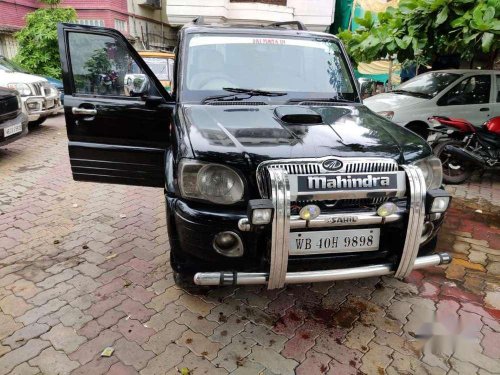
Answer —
282 222
245 278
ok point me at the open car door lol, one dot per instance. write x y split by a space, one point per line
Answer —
118 115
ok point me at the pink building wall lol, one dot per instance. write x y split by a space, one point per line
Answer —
13 12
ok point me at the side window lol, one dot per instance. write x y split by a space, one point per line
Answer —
498 88
471 90
101 65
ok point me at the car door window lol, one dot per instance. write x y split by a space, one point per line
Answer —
471 90
101 65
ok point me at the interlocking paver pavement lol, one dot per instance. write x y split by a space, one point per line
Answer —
84 266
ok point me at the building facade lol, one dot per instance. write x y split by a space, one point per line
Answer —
153 24
315 14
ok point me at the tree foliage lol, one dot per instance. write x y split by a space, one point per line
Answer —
38 49
419 30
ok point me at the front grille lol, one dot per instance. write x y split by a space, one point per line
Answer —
9 105
315 166
41 88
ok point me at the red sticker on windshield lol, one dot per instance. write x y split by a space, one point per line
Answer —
268 41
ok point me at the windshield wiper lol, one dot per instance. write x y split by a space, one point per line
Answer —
248 92
412 93
336 99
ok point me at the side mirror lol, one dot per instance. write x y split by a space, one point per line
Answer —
366 86
136 84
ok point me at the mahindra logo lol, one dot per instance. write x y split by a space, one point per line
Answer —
347 182
332 165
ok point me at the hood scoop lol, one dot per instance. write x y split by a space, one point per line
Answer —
298 115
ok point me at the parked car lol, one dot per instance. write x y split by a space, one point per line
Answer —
39 98
162 65
273 170
13 122
473 95
57 83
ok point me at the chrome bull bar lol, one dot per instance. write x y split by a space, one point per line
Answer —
258 278
278 276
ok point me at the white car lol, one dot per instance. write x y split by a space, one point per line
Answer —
473 95
39 98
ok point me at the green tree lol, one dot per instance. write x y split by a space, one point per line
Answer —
38 49
420 30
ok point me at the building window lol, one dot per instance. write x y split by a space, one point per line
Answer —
272 2
120 25
91 22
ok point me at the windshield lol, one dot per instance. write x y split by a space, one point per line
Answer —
162 67
8 66
299 67
428 84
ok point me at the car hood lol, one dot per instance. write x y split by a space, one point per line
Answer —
15 77
390 102
253 134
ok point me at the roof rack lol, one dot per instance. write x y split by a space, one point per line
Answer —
300 25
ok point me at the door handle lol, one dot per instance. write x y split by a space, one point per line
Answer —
484 109
84 111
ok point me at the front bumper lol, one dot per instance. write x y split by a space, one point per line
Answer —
405 236
19 119
36 107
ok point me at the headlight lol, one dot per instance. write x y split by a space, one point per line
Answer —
22 88
432 170
213 182
387 114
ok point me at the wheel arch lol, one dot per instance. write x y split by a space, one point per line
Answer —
419 127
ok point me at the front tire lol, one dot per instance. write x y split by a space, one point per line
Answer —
455 171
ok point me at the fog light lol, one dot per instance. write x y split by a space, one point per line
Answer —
260 211
437 201
387 209
262 216
228 244
309 212
440 204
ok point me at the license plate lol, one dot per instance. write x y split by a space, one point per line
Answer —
334 241
11 130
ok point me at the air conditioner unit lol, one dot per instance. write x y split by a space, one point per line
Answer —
152 4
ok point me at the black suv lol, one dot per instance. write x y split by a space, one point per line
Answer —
13 123
274 171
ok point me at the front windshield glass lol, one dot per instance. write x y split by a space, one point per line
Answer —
8 66
162 67
300 67
429 84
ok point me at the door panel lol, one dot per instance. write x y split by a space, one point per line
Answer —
117 113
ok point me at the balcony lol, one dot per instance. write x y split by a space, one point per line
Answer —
151 4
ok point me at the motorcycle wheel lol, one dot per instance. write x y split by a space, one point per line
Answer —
455 171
